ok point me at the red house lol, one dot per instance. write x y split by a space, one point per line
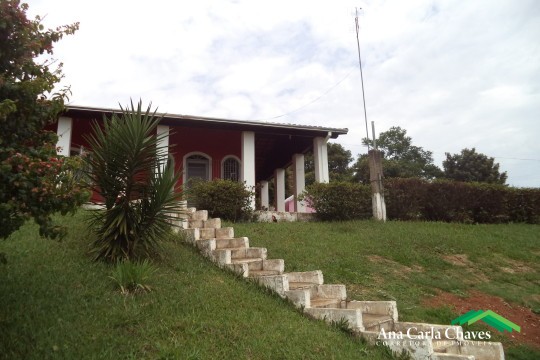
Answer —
211 148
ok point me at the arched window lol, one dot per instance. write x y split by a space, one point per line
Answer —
230 169
197 166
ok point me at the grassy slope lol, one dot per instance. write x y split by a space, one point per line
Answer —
56 304
403 261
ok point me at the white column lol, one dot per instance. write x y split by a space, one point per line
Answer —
64 131
299 181
264 195
279 189
248 161
320 157
163 145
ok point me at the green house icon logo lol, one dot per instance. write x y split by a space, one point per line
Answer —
489 317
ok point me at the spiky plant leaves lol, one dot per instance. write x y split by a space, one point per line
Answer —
130 170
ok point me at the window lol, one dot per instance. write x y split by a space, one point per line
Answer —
231 169
197 167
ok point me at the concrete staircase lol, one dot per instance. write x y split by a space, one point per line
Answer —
376 321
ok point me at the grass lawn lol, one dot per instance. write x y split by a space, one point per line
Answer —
412 262
55 303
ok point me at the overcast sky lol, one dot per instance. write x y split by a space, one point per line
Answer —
454 74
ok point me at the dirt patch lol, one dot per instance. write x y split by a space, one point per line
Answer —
474 275
515 267
524 317
396 268
457 259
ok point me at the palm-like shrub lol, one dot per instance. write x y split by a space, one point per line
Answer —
135 178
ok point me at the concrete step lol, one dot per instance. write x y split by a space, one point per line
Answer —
199 215
214 223
318 302
213 233
268 278
353 317
441 356
225 233
195 224
300 285
258 264
376 322
228 243
248 253
259 273
207 233
305 278
330 291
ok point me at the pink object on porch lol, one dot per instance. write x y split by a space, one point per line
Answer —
289 205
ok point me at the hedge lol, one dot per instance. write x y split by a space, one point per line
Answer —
441 200
339 200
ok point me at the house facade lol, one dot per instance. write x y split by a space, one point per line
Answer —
252 152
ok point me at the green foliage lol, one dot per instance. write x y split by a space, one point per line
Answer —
34 181
133 277
401 158
226 199
128 169
471 166
339 200
453 201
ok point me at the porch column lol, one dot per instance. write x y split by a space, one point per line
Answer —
64 131
163 145
248 161
320 157
264 195
279 189
299 181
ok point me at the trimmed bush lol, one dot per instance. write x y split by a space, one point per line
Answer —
339 200
416 199
225 199
404 198
453 201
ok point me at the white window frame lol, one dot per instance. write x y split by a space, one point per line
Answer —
239 166
197 153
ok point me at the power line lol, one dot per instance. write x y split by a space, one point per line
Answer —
361 75
311 102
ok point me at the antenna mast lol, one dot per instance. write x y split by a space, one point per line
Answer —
361 74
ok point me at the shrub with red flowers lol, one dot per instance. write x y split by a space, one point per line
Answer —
34 181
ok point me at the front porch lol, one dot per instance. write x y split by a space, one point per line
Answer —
256 153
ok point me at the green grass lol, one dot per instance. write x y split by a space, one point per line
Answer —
55 303
404 261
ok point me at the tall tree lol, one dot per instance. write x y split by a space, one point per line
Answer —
472 166
34 181
401 158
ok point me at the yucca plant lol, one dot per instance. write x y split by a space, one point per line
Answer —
136 179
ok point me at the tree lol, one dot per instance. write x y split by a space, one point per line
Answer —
34 181
401 158
130 170
338 164
471 166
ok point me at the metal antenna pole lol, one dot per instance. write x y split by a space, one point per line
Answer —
361 75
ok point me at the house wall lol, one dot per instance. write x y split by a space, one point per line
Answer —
217 144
